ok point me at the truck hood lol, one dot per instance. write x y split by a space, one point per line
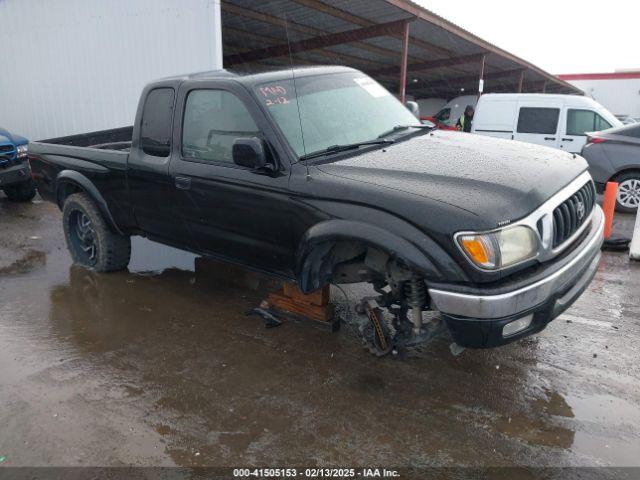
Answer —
495 180
4 140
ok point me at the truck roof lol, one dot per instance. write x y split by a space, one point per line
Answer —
252 79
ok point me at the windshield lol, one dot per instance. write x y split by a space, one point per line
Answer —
607 116
334 109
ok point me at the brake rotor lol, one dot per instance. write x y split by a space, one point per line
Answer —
377 334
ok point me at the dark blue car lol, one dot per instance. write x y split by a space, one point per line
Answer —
15 178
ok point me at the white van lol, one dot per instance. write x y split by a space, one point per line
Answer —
559 121
430 106
448 115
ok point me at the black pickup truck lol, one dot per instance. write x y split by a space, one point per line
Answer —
319 175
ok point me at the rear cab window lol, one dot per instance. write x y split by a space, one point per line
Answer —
155 131
540 120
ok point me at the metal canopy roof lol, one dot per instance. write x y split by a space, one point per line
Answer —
443 60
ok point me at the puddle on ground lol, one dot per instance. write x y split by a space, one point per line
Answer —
29 260
600 412
161 363
604 409
149 257
106 311
539 428
539 431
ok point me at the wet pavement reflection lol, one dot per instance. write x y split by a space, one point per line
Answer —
161 366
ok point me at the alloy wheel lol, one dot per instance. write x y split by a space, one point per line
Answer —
629 193
83 236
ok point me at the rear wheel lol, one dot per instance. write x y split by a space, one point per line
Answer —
21 192
628 192
89 239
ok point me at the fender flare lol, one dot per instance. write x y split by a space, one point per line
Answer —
316 243
87 186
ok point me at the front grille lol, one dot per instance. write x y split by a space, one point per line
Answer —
569 216
7 154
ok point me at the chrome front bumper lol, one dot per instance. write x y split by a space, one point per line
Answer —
508 304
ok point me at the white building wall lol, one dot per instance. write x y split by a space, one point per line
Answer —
74 66
619 96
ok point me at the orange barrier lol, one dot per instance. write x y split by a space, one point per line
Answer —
609 206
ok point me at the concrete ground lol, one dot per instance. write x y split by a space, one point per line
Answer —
160 366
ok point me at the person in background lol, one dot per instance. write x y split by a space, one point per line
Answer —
465 121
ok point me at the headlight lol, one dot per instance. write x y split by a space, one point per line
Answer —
499 249
22 150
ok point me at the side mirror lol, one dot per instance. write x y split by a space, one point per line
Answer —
249 152
413 108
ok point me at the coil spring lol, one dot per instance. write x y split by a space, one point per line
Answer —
416 292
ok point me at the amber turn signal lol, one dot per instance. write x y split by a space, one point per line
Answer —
479 250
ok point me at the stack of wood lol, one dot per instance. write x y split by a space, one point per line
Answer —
313 306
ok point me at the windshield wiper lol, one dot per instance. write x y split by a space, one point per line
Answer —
399 128
344 147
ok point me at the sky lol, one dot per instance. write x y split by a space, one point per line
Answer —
559 36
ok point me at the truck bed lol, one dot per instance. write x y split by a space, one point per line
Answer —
113 139
99 157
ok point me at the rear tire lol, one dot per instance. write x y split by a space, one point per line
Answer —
628 197
21 192
89 239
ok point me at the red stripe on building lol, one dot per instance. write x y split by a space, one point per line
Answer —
600 76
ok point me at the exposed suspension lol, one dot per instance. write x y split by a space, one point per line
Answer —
415 292
396 330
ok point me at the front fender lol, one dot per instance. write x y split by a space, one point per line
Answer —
87 186
312 273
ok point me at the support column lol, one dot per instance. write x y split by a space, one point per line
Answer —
403 62
481 77
544 87
521 81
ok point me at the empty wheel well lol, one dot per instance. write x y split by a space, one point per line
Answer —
340 261
349 261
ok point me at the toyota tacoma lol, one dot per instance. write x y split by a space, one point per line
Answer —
318 176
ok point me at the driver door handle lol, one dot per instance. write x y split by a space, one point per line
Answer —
567 139
549 138
182 183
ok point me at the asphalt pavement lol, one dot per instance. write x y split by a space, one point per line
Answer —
160 366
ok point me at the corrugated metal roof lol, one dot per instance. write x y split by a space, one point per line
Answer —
246 22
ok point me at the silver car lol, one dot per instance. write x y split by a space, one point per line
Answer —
614 155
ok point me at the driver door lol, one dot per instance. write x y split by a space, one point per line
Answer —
223 209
